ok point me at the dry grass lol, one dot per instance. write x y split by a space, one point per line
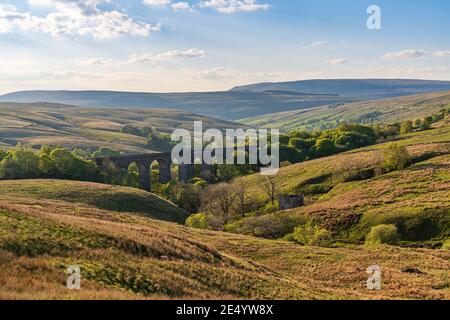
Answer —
125 256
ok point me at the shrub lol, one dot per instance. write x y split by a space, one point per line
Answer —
383 234
199 221
311 235
446 244
395 158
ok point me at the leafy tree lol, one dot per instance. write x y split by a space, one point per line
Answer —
106 152
324 147
406 127
20 163
3 154
159 142
395 157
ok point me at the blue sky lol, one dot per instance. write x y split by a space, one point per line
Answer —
203 45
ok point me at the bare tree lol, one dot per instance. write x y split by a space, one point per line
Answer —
219 201
270 188
241 195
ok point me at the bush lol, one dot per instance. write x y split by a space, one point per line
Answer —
311 235
395 158
446 244
199 221
383 234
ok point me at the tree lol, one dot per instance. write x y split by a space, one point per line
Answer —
391 131
241 196
417 123
270 188
406 127
324 147
219 201
395 157
106 152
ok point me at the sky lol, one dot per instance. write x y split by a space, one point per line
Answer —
209 45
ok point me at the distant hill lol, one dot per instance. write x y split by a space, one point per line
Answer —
241 102
73 127
364 112
362 89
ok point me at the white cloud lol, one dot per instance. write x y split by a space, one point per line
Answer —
146 58
320 43
405 54
234 76
233 6
169 55
74 18
442 54
180 6
157 2
337 61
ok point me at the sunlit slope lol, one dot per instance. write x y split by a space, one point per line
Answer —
321 175
72 127
366 112
347 195
125 256
96 195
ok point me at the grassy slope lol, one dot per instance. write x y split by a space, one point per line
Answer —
96 195
124 256
37 124
417 199
390 111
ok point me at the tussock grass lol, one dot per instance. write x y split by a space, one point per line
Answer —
97 195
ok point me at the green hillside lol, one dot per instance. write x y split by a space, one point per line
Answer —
95 195
72 127
347 195
125 256
367 112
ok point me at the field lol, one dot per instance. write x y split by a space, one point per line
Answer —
129 256
72 127
366 112
128 246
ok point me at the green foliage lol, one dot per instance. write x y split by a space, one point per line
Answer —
324 147
49 162
446 245
311 235
106 152
383 234
396 157
159 142
406 127
199 221
20 163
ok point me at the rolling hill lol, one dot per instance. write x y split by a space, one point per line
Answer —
365 112
240 102
361 89
346 195
73 127
129 256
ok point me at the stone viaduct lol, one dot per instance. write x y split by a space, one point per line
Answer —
185 172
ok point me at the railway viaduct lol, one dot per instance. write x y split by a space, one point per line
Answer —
143 161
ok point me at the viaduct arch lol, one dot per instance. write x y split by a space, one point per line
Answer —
143 161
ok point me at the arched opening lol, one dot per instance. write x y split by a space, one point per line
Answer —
155 171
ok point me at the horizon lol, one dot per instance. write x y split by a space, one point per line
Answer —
165 46
214 91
